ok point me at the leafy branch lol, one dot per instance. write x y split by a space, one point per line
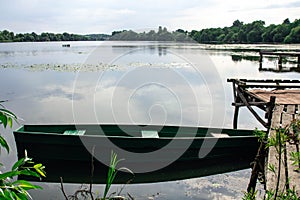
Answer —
10 189
6 118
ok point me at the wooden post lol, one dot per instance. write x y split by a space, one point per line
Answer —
236 100
236 115
280 60
280 63
246 103
260 57
259 161
260 66
258 167
233 88
269 110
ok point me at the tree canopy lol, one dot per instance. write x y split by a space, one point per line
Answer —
255 32
238 33
7 36
162 34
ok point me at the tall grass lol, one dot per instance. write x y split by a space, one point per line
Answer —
112 172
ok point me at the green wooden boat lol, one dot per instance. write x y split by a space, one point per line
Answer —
153 153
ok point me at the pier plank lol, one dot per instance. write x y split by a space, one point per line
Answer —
271 177
280 53
282 96
291 111
287 117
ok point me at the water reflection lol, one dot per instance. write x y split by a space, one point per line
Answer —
240 57
280 70
120 91
159 49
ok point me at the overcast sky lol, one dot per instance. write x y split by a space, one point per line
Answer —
105 16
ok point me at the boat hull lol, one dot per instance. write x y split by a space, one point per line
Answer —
82 158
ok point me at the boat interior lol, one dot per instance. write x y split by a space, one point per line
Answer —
143 131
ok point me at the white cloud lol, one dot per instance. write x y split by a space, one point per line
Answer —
94 16
223 13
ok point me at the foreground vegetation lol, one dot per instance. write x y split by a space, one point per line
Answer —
10 188
87 192
290 134
239 33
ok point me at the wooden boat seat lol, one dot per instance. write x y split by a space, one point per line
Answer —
219 135
149 134
74 132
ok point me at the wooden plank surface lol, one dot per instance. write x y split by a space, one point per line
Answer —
281 118
284 97
290 110
271 178
282 53
286 167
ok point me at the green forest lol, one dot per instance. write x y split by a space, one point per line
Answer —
238 33
162 34
7 36
255 32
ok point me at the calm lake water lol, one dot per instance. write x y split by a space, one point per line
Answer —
132 82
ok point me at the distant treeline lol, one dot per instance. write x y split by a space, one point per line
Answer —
238 33
161 35
7 36
255 32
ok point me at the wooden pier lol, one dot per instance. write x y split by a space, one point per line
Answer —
280 99
280 55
